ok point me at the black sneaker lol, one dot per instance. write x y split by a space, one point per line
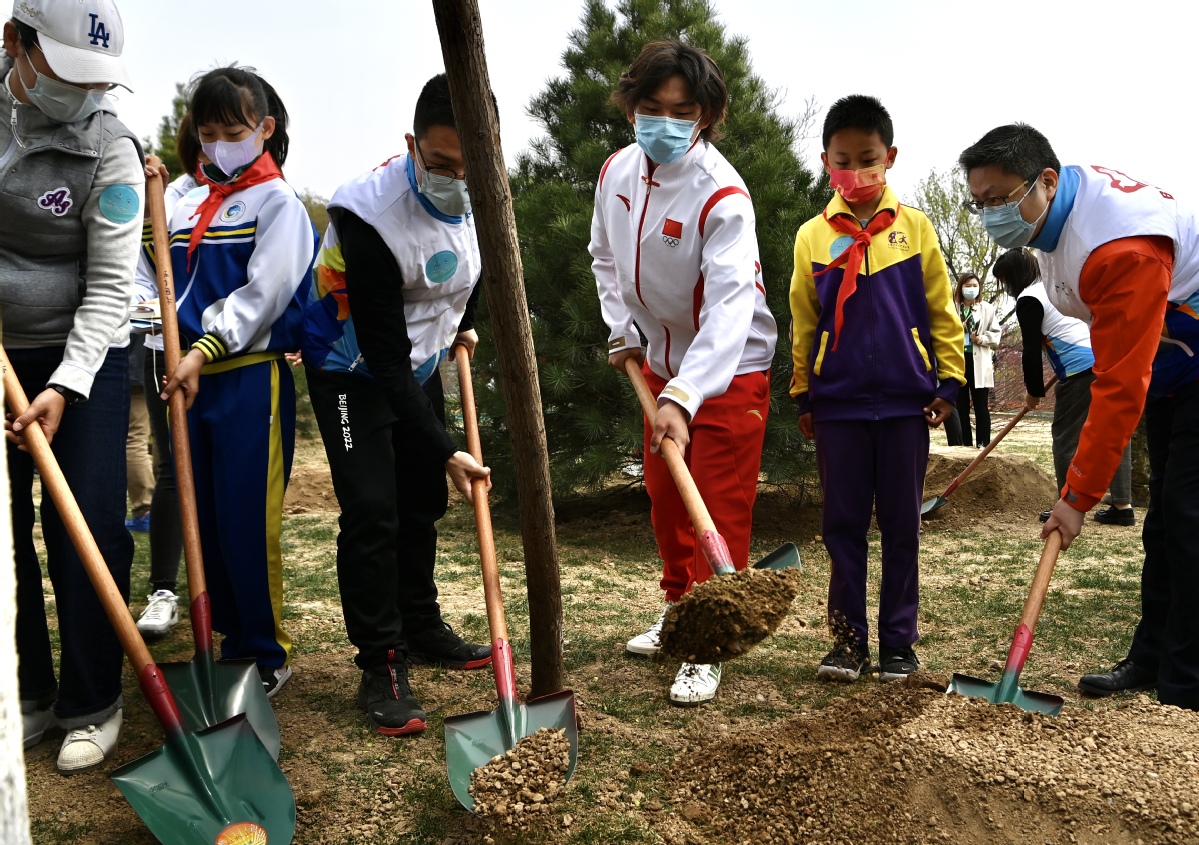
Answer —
388 701
1116 516
895 664
440 646
1125 676
846 662
273 678
1044 516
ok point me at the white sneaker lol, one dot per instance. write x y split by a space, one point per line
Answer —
695 683
36 718
273 679
650 642
160 615
88 747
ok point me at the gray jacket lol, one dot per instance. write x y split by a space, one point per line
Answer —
71 199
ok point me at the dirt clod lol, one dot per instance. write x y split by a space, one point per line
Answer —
726 616
516 789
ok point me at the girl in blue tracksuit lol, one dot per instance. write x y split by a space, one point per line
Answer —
242 248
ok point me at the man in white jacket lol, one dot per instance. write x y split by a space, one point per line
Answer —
676 256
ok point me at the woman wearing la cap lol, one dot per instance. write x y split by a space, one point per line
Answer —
71 193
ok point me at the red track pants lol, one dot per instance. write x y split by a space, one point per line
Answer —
724 456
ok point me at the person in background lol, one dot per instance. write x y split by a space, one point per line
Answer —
140 468
983 332
71 193
161 613
1066 342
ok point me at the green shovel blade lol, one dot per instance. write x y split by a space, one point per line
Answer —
216 787
471 740
785 556
209 691
1035 702
932 505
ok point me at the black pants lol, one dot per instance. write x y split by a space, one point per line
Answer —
391 495
166 531
1167 638
967 394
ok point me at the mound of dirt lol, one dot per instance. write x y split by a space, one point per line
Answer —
1010 487
905 763
515 789
726 616
310 490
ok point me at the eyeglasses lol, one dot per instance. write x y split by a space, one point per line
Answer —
999 202
440 175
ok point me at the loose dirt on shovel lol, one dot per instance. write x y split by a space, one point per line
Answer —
515 790
726 616
906 763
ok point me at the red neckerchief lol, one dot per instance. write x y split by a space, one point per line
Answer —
852 257
262 170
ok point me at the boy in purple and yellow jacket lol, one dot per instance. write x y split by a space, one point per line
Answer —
878 353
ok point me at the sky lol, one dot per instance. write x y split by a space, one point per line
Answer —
1107 83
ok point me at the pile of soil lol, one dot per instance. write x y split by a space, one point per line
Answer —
726 616
906 763
1005 487
516 789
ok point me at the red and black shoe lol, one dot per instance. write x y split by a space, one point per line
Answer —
388 701
440 646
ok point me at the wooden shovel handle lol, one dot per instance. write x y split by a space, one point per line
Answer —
496 622
953 485
672 454
180 445
72 518
1040 582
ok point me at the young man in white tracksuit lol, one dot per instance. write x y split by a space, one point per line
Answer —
675 254
394 290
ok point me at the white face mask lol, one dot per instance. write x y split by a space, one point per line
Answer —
59 101
231 156
449 196
970 293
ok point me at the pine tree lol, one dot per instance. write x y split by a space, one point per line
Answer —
593 421
168 133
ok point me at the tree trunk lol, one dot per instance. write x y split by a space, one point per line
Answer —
461 32
14 812
1140 466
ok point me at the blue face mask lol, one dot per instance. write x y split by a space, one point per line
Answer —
59 101
665 139
1007 227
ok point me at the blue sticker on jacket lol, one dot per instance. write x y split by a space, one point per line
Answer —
441 267
839 246
120 203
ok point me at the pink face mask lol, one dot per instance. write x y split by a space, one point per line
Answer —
859 185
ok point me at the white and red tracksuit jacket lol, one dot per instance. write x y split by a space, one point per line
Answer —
677 254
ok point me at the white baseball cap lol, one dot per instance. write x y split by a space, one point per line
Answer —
81 39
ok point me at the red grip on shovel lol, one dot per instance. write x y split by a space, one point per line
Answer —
202 622
1018 653
716 550
158 696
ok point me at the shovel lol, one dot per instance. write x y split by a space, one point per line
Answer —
1008 691
936 503
216 787
206 691
715 549
473 739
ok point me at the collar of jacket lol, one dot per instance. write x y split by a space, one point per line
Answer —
838 205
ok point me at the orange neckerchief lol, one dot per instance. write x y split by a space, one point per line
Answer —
262 170
852 257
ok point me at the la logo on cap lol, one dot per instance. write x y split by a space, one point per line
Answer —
81 40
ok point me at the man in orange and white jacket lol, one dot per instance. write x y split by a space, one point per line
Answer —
1124 257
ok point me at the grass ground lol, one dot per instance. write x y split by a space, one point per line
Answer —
353 786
